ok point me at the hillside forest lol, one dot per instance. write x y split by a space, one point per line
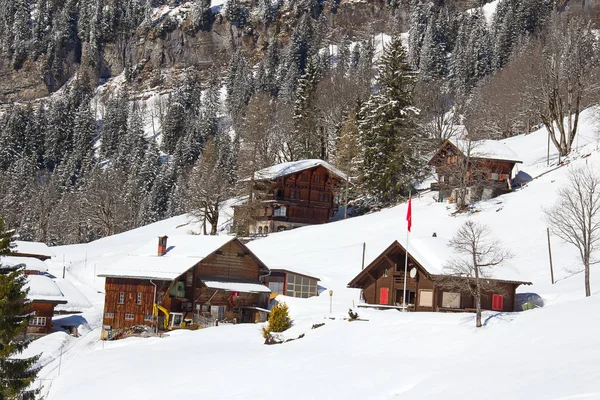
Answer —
115 114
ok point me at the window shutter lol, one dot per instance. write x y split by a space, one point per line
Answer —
497 302
383 295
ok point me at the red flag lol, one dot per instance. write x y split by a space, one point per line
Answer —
409 213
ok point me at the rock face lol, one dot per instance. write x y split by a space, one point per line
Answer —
170 45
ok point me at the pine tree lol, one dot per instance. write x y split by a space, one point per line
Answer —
16 374
305 115
21 31
279 320
391 142
433 61
418 28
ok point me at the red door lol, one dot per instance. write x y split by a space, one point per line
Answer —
497 302
383 295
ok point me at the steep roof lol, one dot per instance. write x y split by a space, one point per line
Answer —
43 289
28 263
183 252
483 149
292 167
433 253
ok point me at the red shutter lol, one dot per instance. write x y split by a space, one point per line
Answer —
383 295
497 302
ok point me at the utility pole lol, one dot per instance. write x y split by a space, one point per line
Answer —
363 256
330 301
550 256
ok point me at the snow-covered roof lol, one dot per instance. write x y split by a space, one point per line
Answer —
42 288
292 167
434 254
183 252
238 287
37 248
486 149
28 263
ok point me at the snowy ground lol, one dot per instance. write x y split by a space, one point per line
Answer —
547 353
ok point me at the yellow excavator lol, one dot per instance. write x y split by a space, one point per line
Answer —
165 311
177 322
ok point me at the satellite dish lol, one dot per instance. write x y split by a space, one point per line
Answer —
413 272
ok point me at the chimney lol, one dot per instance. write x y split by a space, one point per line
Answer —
162 245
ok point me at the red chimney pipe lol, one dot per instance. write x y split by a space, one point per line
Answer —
162 245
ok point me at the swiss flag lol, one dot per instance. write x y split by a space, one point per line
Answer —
409 213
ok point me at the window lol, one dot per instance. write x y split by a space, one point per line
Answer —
497 302
148 318
276 287
324 197
304 177
385 273
109 315
37 321
425 298
139 298
122 298
280 212
494 176
129 316
260 230
317 178
442 178
383 295
189 278
450 300
266 230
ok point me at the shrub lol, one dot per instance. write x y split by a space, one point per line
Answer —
279 320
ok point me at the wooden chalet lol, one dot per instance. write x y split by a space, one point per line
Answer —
38 250
427 288
189 280
489 168
298 193
44 294
290 283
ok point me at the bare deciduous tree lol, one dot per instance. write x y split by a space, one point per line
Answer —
567 56
439 115
477 254
209 187
575 217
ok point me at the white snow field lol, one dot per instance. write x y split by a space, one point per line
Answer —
547 353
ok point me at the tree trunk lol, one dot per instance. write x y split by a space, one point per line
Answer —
588 290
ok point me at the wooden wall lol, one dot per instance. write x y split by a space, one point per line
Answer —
41 310
130 287
233 262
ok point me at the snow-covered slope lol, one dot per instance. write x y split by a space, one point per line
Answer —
550 352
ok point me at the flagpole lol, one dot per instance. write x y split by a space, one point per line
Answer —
406 259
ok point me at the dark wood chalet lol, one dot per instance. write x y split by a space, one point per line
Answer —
382 284
298 193
43 295
290 283
488 166
188 281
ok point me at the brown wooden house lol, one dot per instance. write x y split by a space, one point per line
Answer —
298 193
382 281
43 295
190 279
487 164
291 283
